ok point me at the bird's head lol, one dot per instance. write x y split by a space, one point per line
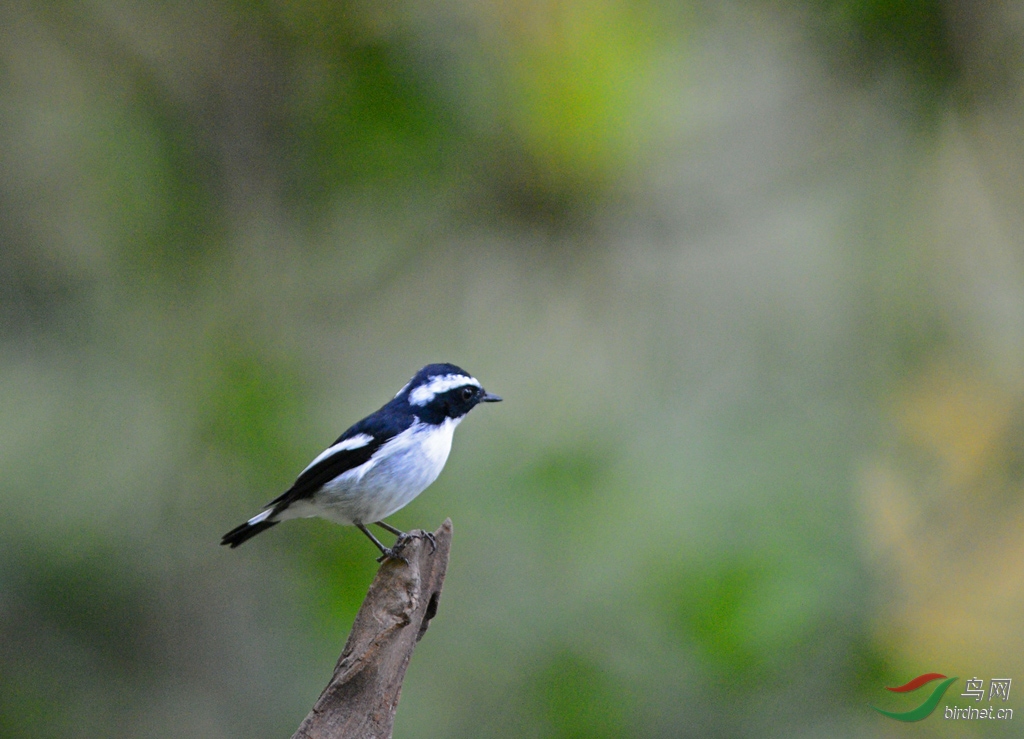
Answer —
440 391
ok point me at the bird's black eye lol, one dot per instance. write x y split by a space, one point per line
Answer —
468 393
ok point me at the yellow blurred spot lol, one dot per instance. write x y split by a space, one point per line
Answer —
958 418
951 545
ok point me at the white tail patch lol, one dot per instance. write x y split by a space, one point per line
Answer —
260 517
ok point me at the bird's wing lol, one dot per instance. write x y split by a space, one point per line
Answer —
354 447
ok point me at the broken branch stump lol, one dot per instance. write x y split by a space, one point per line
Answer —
362 696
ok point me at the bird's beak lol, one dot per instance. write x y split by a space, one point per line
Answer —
490 398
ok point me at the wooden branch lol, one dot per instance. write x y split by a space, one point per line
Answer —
362 696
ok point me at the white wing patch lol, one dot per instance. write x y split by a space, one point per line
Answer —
439 384
353 442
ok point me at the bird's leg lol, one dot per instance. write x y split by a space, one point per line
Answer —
403 537
389 527
385 552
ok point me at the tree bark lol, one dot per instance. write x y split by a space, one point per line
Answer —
362 696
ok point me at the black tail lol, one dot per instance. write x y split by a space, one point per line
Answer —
246 531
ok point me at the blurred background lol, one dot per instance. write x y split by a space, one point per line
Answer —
749 275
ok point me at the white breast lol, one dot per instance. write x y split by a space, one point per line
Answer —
396 473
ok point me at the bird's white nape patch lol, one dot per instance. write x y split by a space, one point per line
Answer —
260 517
439 384
353 442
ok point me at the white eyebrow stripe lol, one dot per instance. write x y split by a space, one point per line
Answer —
439 384
353 442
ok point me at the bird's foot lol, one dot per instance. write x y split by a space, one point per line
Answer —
404 538
395 552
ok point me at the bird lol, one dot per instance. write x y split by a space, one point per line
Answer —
381 463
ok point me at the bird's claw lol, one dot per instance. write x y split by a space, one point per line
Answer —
395 551
418 535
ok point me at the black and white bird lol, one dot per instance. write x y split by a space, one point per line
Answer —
381 463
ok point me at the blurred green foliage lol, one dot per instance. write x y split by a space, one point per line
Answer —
373 126
757 325
253 410
566 480
914 35
578 699
714 607
577 82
